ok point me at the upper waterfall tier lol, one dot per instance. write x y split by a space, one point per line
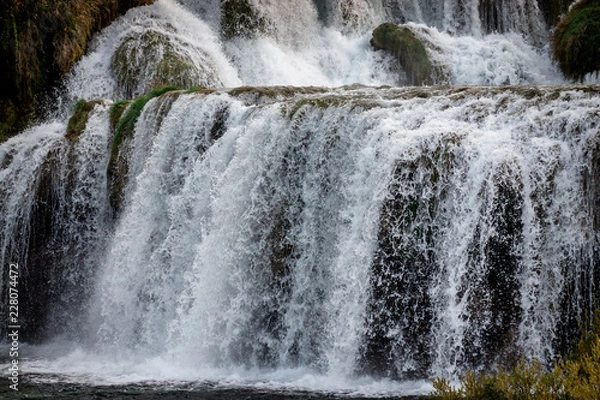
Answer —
167 44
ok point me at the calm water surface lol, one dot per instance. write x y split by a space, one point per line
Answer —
31 388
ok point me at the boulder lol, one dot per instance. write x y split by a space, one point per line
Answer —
407 48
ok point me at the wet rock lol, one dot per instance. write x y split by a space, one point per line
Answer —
407 48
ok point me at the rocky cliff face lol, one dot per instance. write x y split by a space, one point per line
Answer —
40 41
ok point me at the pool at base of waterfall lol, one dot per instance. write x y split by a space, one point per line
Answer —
58 371
41 387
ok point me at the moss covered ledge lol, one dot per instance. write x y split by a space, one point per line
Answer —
79 118
123 117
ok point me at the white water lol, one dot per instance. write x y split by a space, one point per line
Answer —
251 223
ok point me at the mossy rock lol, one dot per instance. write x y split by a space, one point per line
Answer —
126 123
152 60
408 50
78 120
576 41
116 112
240 18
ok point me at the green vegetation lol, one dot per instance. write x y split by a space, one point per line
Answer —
199 89
408 50
576 377
239 18
78 120
126 124
576 41
39 42
152 60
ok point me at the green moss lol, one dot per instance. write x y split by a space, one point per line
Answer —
126 114
79 118
408 50
576 41
198 89
126 123
239 18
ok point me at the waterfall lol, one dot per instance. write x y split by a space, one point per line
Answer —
346 230
55 220
307 220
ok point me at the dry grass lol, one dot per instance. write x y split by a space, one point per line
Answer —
577 377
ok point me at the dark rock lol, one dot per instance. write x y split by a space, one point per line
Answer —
240 19
408 50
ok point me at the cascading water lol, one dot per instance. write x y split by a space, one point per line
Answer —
349 238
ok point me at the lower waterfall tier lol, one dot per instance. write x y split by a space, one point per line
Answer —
391 232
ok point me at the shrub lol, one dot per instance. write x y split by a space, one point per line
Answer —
576 41
576 377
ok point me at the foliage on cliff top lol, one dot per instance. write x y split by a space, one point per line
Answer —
39 41
576 41
408 50
576 377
